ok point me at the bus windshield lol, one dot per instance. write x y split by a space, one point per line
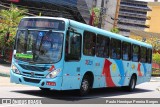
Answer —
36 46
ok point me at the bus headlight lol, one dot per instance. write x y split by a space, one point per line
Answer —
15 69
54 73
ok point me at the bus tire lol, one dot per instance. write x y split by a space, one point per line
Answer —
44 89
132 84
85 86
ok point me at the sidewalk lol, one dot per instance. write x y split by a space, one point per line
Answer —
155 79
8 83
4 68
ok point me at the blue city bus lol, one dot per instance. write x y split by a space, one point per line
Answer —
62 54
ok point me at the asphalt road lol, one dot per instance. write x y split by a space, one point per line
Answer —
8 90
145 90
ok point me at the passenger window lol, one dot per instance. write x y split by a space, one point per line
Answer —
115 52
89 43
126 51
73 46
135 53
143 54
102 46
149 55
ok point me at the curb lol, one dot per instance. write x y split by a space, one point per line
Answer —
4 75
155 79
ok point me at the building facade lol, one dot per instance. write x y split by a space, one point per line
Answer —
73 9
154 15
126 15
132 15
111 14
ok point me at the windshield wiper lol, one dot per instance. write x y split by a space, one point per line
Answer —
40 62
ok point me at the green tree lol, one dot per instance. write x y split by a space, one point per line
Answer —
8 24
156 58
155 42
96 11
115 30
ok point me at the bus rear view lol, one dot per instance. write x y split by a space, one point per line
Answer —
37 57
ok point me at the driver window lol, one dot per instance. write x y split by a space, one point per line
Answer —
21 40
73 46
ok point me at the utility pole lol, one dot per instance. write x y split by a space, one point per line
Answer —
101 14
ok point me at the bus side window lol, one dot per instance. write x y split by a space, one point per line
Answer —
135 53
73 46
89 43
115 50
143 54
149 55
126 51
102 46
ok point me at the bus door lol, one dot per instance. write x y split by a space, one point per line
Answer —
71 72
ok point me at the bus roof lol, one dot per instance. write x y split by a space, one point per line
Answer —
95 30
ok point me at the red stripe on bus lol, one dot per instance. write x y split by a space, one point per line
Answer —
107 74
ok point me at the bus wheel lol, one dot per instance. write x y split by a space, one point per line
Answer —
85 86
44 89
132 84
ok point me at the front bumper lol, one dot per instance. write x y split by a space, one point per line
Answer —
37 82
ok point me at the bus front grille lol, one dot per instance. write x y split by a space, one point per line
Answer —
29 74
33 68
31 80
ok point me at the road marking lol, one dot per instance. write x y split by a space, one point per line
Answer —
13 85
12 105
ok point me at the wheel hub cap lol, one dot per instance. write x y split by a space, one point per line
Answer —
85 85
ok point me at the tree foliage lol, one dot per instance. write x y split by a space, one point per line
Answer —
156 58
154 41
96 11
115 30
9 19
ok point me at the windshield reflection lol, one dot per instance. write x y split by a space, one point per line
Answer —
39 46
